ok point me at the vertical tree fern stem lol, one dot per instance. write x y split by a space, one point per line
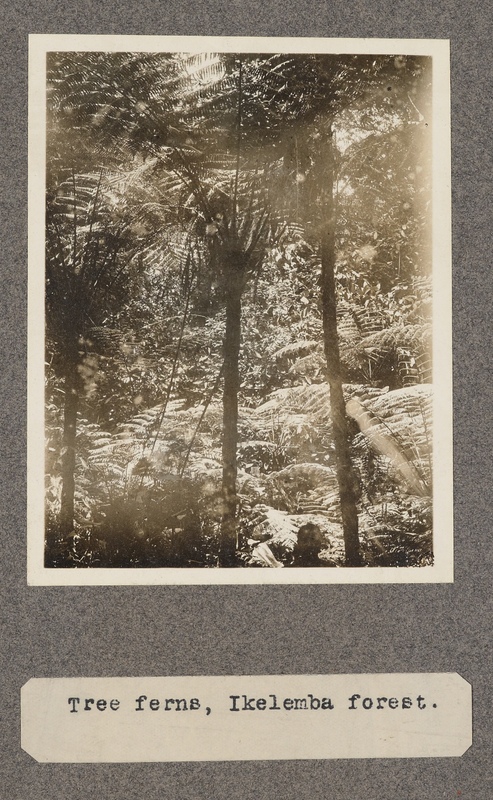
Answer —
238 145
71 404
234 262
345 474
233 276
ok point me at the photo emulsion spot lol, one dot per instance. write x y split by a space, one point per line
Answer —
239 352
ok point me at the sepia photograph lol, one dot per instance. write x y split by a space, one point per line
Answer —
239 311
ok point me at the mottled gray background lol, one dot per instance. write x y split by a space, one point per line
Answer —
214 630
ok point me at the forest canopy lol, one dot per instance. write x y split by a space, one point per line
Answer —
238 310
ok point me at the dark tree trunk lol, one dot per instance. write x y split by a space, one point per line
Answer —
345 474
71 405
233 285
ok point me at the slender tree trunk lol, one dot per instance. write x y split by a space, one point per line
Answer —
227 547
72 393
345 474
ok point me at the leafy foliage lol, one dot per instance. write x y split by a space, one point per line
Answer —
168 176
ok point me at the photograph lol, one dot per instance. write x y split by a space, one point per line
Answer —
239 311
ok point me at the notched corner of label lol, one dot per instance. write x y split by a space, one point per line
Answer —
467 687
28 752
468 683
466 749
27 685
30 725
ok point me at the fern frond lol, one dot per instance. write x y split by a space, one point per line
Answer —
396 424
294 349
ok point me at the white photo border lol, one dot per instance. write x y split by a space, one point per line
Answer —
442 569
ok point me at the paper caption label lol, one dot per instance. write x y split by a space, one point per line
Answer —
241 718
